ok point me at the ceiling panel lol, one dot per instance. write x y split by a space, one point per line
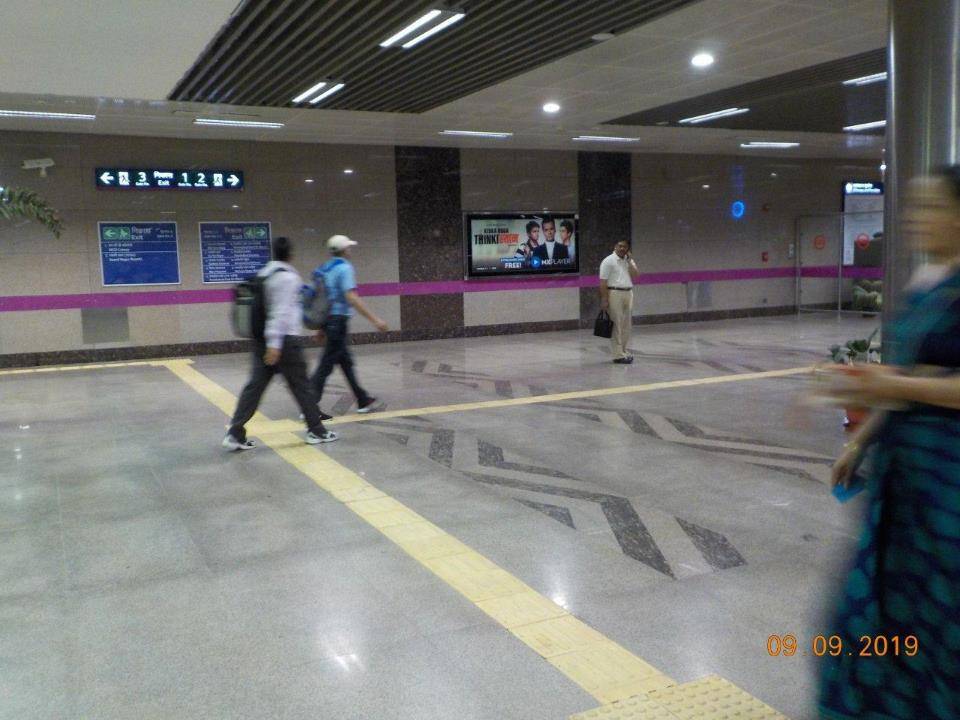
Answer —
813 99
274 49
104 48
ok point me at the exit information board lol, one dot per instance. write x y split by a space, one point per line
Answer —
139 253
166 179
233 251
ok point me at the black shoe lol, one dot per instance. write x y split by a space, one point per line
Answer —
622 361
629 359
323 416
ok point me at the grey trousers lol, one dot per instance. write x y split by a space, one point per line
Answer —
294 370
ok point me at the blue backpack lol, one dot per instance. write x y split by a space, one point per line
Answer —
316 301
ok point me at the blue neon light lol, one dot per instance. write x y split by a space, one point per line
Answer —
738 209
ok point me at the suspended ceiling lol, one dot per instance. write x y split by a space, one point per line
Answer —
272 50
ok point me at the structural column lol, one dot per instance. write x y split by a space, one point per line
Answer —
923 113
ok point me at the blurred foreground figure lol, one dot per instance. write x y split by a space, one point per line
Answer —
905 583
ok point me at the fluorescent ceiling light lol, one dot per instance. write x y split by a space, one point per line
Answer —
766 144
327 93
477 133
237 123
702 60
713 116
867 79
866 126
415 25
551 107
46 115
310 93
348 171
434 30
604 138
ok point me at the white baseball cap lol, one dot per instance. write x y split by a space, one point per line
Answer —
338 243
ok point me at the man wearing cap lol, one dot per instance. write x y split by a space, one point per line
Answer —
340 282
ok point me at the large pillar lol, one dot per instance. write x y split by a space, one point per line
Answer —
923 112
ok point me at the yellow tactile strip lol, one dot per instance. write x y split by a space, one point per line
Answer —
601 667
85 366
711 698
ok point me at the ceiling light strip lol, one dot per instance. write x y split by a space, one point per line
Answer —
327 93
309 93
409 29
769 144
729 112
866 126
477 133
605 138
434 30
215 122
46 115
867 79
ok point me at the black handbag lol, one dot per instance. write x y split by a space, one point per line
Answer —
603 327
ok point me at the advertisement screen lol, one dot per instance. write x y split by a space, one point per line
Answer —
862 223
522 244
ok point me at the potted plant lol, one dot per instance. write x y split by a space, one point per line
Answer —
851 354
21 203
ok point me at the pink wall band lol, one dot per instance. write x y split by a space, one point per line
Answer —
21 303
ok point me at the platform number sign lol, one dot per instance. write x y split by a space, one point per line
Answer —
168 179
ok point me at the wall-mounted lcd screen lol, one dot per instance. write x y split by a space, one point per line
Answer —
165 179
862 223
522 244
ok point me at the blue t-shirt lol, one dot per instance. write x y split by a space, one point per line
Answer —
338 277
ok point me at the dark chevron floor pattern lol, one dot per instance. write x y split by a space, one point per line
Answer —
699 550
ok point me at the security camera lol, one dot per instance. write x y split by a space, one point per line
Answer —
40 164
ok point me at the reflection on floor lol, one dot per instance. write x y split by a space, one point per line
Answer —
146 574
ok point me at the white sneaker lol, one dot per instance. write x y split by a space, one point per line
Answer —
231 443
325 437
373 405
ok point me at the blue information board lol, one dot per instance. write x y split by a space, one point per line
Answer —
233 251
139 253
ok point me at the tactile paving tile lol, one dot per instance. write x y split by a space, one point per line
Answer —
558 635
609 672
640 707
475 577
713 698
522 608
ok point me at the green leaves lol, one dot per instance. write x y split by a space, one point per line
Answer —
855 351
21 203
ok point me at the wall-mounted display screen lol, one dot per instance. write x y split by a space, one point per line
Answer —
522 244
166 179
862 223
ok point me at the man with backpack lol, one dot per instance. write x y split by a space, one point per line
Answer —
275 325
336 280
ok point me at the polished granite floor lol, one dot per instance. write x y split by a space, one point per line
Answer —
144 573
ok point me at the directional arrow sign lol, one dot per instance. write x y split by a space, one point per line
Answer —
233 180
196 180
106 178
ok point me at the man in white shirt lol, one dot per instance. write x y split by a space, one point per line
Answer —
618 272
279 350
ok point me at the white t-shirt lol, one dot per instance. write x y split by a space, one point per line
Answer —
550 248
616 272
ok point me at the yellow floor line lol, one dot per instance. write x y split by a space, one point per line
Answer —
87 366
293 426
606 670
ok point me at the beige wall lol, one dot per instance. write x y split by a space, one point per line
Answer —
677 226
32 262
518 181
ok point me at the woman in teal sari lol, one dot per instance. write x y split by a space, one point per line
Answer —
905 582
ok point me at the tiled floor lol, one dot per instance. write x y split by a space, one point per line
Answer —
145 573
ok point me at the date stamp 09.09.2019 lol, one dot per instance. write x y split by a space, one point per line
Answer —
834 646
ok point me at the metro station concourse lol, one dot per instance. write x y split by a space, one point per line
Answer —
617 348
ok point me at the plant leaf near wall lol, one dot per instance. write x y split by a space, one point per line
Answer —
21 203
